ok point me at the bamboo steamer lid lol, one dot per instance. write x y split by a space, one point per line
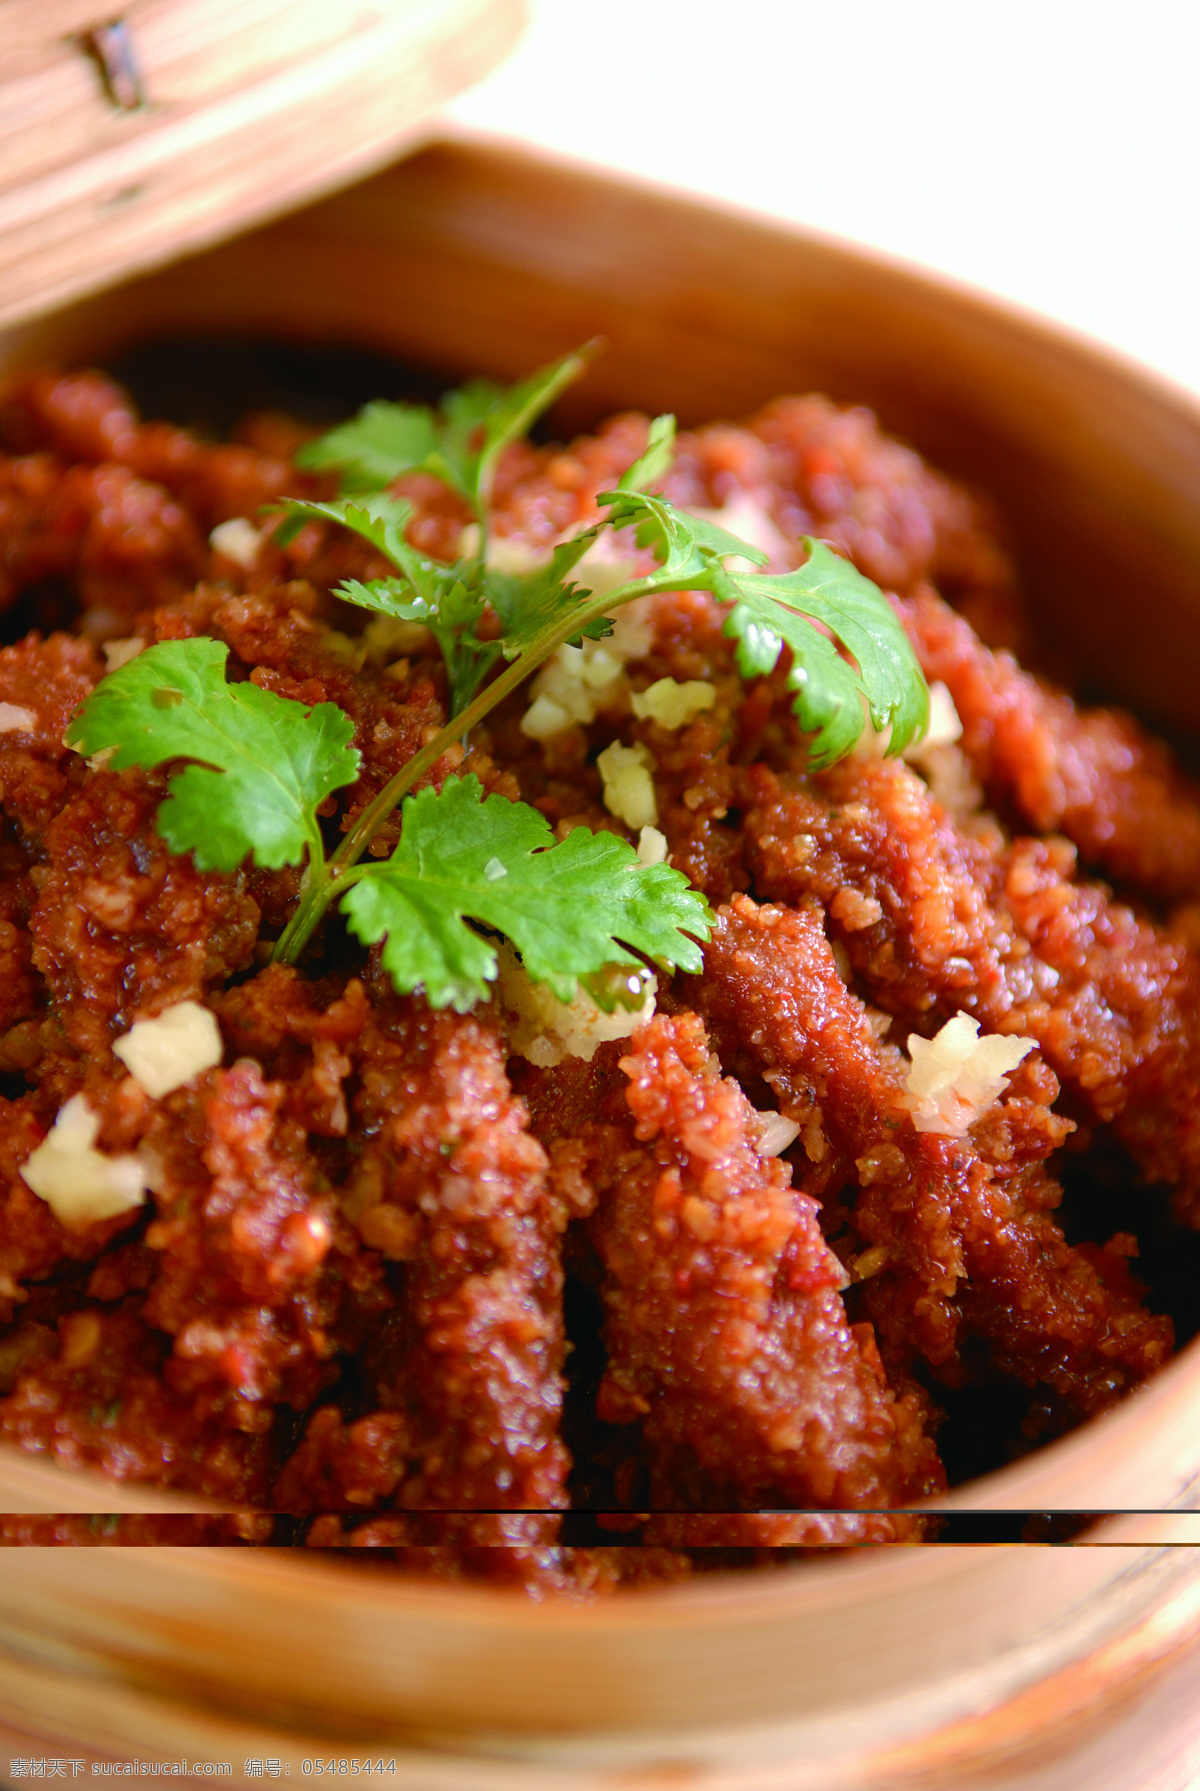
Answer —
132 135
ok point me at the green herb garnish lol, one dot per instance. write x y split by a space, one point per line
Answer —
449 600
261 765
568 907
461 441
769 612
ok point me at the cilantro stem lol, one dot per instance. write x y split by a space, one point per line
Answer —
324 884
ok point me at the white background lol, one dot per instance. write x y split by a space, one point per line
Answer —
1049 153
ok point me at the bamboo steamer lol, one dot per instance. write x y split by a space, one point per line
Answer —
939 1666
130 135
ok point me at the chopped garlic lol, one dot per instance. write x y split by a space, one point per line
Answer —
544 718
944 726
164 1053
573 685
776 1132
237 539
15 720
628 786
79 1183
576 683
931 752
956 1076
600 667
652 846
870 1262
633 628
673 705
119 653
544 1029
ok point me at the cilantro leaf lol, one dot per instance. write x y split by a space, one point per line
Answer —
383 441
433 592
459 434
263 762
686 546
378 518
444 598
461 441
656 458
389 597
794 609
828 689
569 907
513 413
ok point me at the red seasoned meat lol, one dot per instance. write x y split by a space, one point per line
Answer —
241 1529
122 926
42 683
103 1402
959 1229
1093 774
935 917
124 543
344 1298
33 1243
246 1284
87 416
833 473
467 1370
502 1549
725 1329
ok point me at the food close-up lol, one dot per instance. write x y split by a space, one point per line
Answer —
576 1012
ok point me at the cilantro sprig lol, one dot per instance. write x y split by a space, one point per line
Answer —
259 767
461 442
448 599
767 613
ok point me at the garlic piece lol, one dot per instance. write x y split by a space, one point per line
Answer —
237 539
776 1132
164 1053
119 653
671 704
943 730
956 1075
628 786
746 518
544 1029
652 846
79 1183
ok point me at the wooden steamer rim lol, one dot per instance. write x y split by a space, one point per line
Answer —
940 1667
131 135
944 1668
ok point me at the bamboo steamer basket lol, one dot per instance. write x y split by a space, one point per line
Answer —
131 134
1011 1668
